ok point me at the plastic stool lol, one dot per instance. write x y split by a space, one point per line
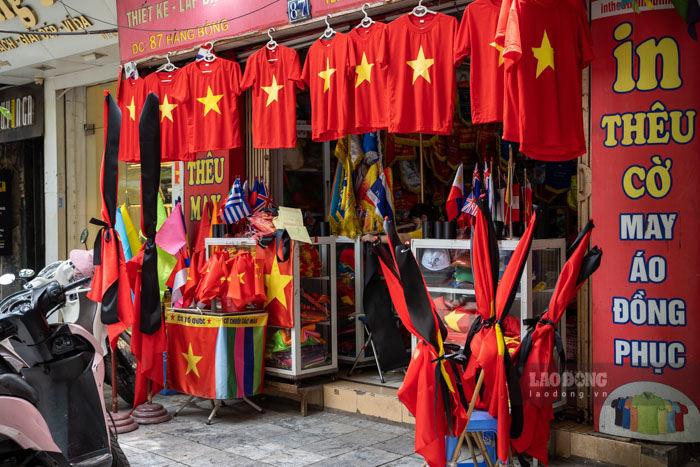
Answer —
480 422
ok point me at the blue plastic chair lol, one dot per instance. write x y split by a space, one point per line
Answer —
480 422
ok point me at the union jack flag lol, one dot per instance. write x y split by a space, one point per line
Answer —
470 206
263 200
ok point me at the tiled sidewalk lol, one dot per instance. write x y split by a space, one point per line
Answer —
280 437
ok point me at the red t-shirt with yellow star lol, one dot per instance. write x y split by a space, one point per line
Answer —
273 75
422 78
172 88
326 72
548 45
213 104
369 99
476 38
130 98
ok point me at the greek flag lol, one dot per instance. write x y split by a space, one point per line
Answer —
236 205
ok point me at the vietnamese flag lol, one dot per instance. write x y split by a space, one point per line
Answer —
279 286
241 280
191 354
213 280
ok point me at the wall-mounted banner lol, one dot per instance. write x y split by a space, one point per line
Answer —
645 203
156 27
5 213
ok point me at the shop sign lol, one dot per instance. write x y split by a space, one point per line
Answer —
26 113
154 28
645 192
19 49
206 180
5 213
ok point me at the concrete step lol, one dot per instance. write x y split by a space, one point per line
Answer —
366 399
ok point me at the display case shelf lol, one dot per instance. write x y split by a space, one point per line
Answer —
299 361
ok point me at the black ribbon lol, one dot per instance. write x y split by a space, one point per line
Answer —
110 169
280 236
149 139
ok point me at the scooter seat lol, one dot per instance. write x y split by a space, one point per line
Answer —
16 386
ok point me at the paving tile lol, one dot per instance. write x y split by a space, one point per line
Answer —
404 445
147 440
255 450
222 458
406 461
368 437
148 459
332 447
329 428
184 450
365 457
378 426
292 458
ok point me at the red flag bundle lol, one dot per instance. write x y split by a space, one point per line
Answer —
485 349
535 355
110 285
199 256
148 340
431 390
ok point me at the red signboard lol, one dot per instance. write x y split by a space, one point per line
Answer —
645 198
156 27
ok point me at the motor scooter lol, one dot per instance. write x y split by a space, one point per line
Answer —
80 310
51 379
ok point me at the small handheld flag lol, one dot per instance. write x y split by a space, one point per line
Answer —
237 206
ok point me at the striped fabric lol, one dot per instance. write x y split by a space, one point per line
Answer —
216 356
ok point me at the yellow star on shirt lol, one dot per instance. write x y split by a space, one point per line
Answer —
326 75
500 52
544 55
132 109
420 66
272 91
275 283
364 71
210 101
192 361
166 109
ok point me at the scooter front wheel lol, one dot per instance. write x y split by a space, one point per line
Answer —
118 457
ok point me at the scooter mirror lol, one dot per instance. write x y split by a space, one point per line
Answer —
26 273
7 279
84 236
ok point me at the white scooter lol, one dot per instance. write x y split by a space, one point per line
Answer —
51 378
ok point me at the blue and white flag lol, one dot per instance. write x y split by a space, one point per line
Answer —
380 196
237 206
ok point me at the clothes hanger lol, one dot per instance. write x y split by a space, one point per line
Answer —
420 11
168 66
210 56
329 32
271 44
366 21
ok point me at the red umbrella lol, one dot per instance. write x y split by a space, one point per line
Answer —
110 285
485 349
432 388
535 355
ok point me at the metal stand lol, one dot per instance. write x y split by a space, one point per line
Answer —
119 422
216 404
150 413
362 351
